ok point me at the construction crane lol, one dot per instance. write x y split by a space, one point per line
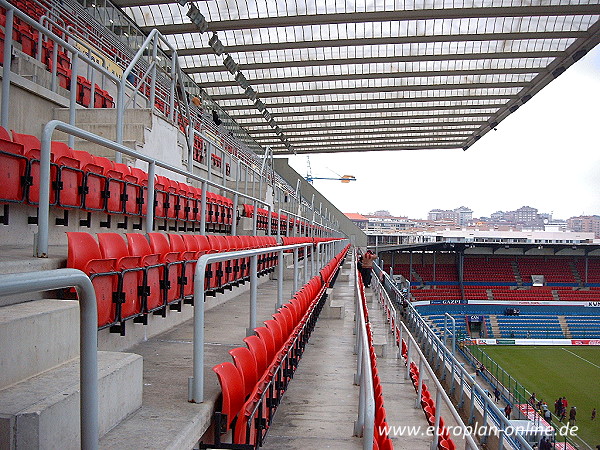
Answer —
342 178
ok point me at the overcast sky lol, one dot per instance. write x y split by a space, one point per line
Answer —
545 155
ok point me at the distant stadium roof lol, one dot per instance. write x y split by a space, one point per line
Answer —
339 76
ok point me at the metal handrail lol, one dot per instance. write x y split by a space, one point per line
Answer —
423 363
12 11
88 346
196 381
365 423
44 205
444 354
120 83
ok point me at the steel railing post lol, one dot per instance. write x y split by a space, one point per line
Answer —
280 269
296 264
150 197
88 337
6 72
253 294
203 208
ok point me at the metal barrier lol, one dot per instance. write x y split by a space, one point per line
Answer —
44 204
88 346
196 382
419 357
11 12
121 84
435 351
365 423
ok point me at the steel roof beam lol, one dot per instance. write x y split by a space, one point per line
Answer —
366 149
378 60
346 91
367 119
366 133
350 138
328 127
370 16
448 98
364 111
396 40
375 76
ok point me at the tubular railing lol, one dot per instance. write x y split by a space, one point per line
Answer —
44 206
196 382
420 358
11 13
365 424
152 41
513 390
441 357
59 279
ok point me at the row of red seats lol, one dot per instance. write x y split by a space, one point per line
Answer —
381 439
81 180
282 221
28 37
445 442
254 383
149 273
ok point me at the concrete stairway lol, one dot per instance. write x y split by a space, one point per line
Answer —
516 273
416 276
564 326
102 122
575 273
495 326
39 377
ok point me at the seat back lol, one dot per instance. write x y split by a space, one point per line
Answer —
267 337
112 245
246 364
138 244
259 351
232 388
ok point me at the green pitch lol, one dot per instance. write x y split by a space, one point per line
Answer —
552 372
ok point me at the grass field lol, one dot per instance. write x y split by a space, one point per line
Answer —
552 372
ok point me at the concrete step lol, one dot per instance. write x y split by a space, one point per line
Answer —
131 131
98 150
19 259
37 336
42 412
108 116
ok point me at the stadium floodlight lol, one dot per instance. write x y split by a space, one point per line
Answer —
231 65
197 18
216 44
259 105
251 93
242 81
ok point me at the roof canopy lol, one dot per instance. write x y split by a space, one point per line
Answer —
344 76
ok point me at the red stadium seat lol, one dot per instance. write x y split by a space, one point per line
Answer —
84 254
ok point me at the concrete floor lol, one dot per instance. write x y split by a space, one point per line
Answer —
317 411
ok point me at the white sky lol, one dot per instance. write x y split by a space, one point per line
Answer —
545 155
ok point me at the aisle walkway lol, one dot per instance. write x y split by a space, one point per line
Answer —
319 409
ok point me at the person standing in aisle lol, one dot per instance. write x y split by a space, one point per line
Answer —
367 266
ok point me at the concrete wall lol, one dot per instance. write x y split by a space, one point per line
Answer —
347 227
